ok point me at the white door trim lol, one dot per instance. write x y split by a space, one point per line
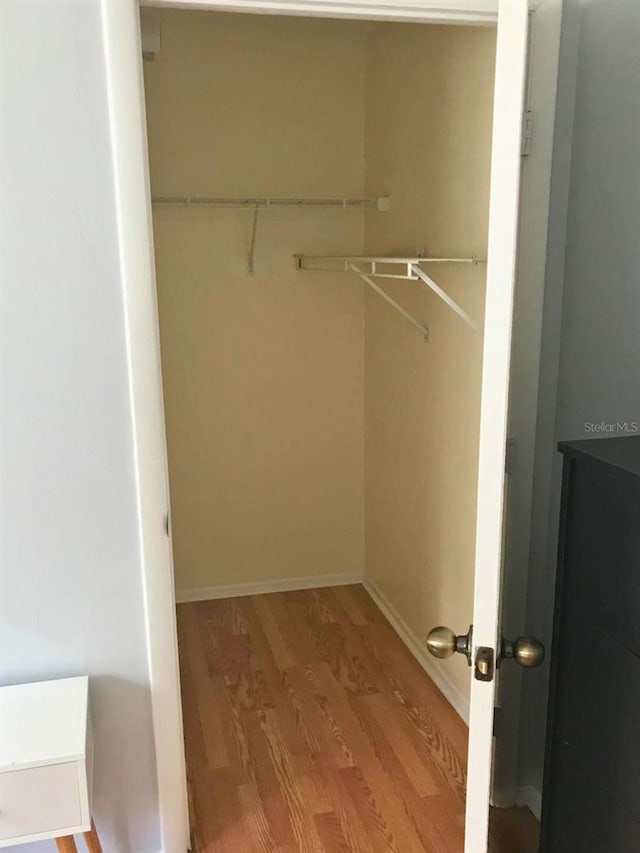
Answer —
434 11
123 58
125 92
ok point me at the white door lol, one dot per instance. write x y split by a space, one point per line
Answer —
484 646
501 267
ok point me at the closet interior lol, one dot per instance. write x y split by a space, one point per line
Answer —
315 431
320 207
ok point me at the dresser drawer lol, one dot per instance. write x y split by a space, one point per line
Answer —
591 791
39 800
580 816
602 551
598 706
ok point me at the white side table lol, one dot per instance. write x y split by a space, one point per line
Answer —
46 762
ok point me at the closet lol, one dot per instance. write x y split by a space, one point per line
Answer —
320 208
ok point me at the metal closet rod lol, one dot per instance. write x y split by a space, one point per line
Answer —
380 203
258 203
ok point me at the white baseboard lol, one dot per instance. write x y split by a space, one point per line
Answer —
419 651
530 797
205 593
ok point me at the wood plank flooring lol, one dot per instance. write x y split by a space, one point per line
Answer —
310 728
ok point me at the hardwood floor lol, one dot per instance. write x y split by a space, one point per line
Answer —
310 727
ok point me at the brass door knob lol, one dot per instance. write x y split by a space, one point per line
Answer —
526 651
442 642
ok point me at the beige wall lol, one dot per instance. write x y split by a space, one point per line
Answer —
263 375
428 117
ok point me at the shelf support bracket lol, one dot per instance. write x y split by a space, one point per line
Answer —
368 280
429 282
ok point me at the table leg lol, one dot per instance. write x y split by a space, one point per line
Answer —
91 840
66 844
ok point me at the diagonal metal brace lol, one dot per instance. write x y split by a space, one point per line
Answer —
392 302
425 279
252 248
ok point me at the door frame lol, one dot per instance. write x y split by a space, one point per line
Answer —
132 199
526 365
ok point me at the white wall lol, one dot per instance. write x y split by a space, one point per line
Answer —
591 343
70 575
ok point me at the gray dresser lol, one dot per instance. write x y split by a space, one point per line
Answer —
591 798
